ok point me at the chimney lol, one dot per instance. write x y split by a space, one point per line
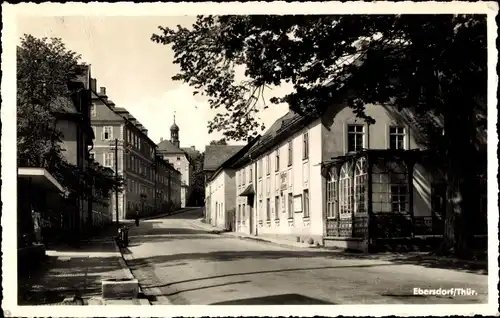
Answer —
103 91
93 84
161 139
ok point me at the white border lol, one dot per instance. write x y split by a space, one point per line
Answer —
8 171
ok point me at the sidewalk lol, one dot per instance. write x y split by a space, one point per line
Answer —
264 239
69 271
425 259
181 210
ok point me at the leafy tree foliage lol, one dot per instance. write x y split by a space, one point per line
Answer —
434 65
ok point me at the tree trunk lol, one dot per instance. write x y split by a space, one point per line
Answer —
460 177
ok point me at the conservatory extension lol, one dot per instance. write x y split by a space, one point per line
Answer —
369 195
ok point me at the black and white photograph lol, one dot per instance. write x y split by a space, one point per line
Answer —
159 159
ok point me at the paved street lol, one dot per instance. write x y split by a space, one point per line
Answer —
178 262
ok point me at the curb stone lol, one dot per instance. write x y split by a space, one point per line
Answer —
128 274
162 299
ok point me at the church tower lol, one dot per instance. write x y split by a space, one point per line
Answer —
174 134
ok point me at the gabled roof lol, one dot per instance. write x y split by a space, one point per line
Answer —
167 147
216 155
234 158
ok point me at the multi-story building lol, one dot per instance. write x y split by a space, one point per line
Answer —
123 145
73 121
335 180
168 186
170 151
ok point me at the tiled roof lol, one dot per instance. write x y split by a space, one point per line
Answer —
280 124
168 147
216 155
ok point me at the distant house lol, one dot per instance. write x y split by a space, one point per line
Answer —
217 182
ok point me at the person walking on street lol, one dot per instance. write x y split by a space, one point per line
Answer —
136 218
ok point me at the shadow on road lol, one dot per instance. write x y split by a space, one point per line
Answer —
207 287
138 240
284 299
267 272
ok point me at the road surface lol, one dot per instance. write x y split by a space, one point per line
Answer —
178 262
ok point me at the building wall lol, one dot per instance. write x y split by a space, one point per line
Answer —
327 139
181 163
302 174
221 199
135 160
334 132
69 139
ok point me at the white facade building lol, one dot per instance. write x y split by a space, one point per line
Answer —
282 188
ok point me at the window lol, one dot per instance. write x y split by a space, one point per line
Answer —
276 207
107 133
306 203
305 150
93 110
355 137
331 194
243 177
290 152
268 209
260 168
277 166
268 164
360 181
397 137
108 159
133 186
290 205
243 212
250 176
399 194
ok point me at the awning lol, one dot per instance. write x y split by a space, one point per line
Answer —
248 191
40 178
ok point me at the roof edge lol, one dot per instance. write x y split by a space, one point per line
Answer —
231 159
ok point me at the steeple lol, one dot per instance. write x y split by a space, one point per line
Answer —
174 134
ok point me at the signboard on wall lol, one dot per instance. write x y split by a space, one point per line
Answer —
297 203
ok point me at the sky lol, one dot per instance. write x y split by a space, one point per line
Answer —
137 72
